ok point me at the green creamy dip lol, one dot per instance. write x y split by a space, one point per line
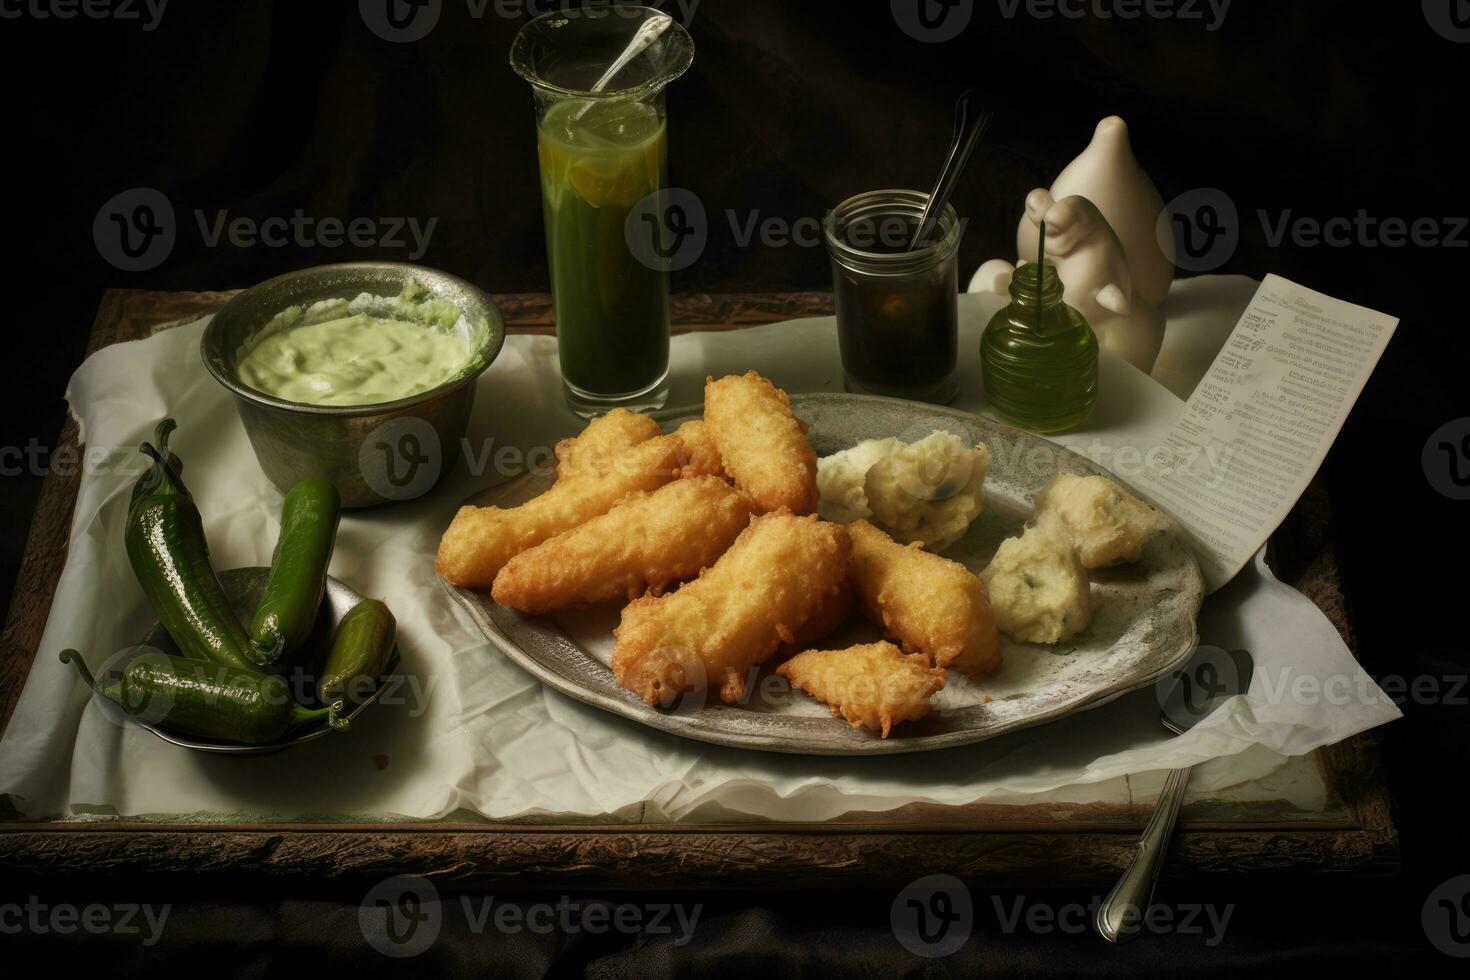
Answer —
353 360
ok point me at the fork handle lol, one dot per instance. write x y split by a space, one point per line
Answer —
1120 917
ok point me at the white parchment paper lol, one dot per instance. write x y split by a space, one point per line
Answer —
469 732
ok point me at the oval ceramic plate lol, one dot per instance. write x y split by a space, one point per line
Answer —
1142 628
244 587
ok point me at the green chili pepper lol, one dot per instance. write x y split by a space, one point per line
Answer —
298 577
170 557
207 700
360 649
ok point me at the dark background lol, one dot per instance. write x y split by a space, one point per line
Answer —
1323 109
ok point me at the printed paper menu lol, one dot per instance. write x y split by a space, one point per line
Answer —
1261 420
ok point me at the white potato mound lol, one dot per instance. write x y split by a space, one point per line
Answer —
840 480
929 491
1109 524
1038 588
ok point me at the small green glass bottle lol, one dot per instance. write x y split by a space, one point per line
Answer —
1039 356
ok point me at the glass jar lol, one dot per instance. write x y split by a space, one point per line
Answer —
1038 356
897 310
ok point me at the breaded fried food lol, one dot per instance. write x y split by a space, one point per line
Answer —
647 541
602 441
714 631
873 686
1109 524
833 614
701 454
929 604
480 540
1037 586
763 446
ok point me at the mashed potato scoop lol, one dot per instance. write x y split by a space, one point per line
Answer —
929 491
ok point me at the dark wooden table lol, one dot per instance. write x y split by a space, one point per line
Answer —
1251 829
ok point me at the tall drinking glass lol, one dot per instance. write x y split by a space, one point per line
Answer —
604 163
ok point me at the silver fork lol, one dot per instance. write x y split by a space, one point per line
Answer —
1218 674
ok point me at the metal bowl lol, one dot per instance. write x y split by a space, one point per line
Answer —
374 454
244 587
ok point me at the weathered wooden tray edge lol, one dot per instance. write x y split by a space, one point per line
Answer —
1089 846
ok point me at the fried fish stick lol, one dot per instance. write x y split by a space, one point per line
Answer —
834 612
929 604
761 442
700 449
602 441
481 540
646 542
713 631
872 686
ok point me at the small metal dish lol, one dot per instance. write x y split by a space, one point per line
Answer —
374 454
244 587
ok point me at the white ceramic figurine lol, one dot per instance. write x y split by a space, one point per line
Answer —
1101 215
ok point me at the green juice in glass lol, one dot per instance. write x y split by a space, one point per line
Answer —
598 160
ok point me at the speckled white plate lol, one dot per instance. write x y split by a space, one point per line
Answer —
1143 627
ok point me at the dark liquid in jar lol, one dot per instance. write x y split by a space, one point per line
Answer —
898 334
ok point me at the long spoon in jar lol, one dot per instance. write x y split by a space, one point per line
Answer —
969 126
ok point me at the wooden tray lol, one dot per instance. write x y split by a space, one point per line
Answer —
1328 812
